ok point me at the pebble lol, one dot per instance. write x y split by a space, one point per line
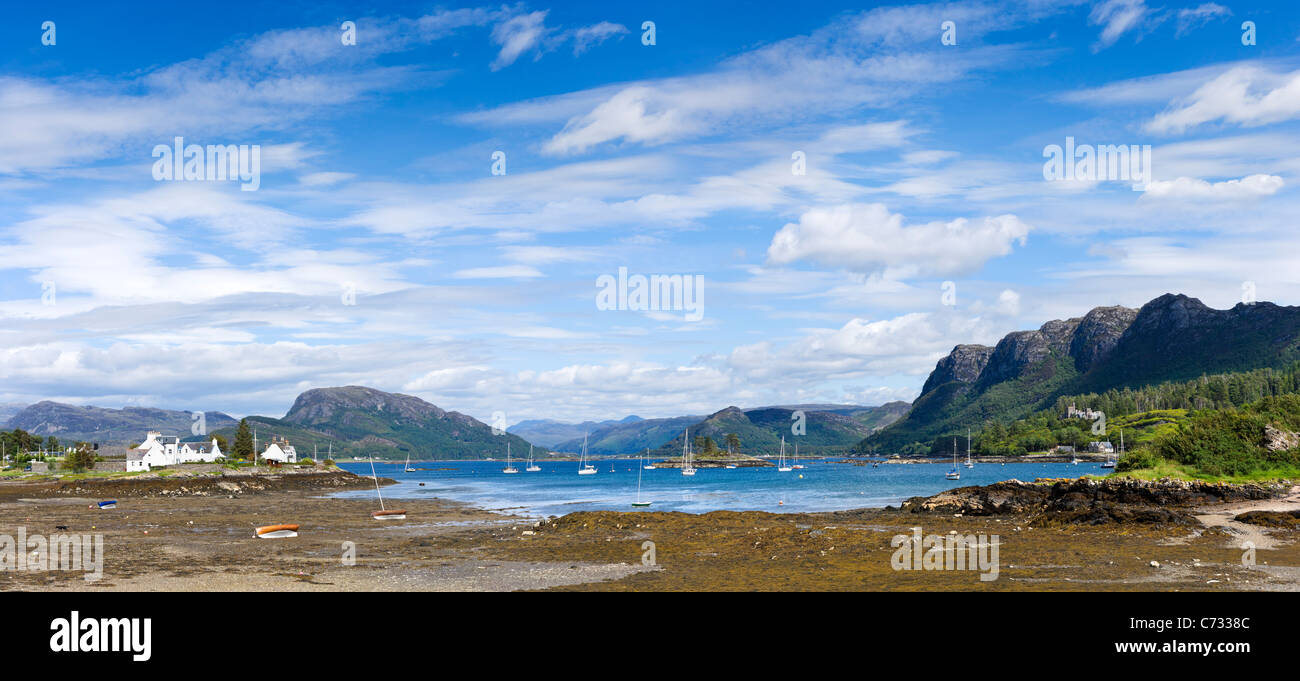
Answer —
1154 564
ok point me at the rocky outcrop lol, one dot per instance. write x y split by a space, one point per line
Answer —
1280 440
1090 501
1098 333
963 365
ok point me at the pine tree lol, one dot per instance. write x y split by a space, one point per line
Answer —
243 441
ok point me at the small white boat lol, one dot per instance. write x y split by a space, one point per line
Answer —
509 466
969 464
382 513
781 465
277 531
585 468
408 463
1110 460
954 474
796 456
687 467
646 466
532 467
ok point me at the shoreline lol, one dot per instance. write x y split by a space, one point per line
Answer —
160 541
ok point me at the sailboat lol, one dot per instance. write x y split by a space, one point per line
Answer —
638 503
510 468
796 456
585 468
781 465
687 467
408 463
1110 460
954 474
532 467
382 513
968 461
647 466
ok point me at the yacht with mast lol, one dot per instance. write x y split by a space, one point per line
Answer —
954 474
781 465
585 468
687 467
510 467
532 467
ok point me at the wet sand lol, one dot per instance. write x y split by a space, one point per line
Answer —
207 543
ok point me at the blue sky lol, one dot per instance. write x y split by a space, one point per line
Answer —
380 249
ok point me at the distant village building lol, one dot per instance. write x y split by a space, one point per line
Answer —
280 451
1091 415
1101 447
157 450
1063 449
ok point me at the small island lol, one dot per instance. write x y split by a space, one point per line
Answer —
706 454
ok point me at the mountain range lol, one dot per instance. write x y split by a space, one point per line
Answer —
832 430
70 423
356 421
1170 338
549 433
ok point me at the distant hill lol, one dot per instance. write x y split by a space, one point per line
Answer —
629 437
760 430
7 411
1171 338
109 426
360 421
549 433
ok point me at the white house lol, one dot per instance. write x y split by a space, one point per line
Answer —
157 450
280 450
1103 447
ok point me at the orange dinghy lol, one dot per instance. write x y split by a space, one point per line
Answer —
388 515
277 531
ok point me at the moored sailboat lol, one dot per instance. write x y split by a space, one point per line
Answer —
585 468
954 474
781 465
510 468
968 461
638 503
1110 460
687 467
532 467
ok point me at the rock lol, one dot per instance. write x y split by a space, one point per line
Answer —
1154 564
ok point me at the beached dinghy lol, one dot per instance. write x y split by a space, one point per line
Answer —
277 531
105 505
382 513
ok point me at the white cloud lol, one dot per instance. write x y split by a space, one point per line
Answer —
1117 17
502 272
1191 18
589 36
1246 95
1253 186
518 34
867 237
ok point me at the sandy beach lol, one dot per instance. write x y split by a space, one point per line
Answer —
203 540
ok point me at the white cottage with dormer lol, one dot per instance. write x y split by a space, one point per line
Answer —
280 451
157 450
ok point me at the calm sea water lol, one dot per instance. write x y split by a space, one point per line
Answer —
558 489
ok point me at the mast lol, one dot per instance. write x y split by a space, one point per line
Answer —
376 479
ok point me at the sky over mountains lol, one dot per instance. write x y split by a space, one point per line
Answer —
858 196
